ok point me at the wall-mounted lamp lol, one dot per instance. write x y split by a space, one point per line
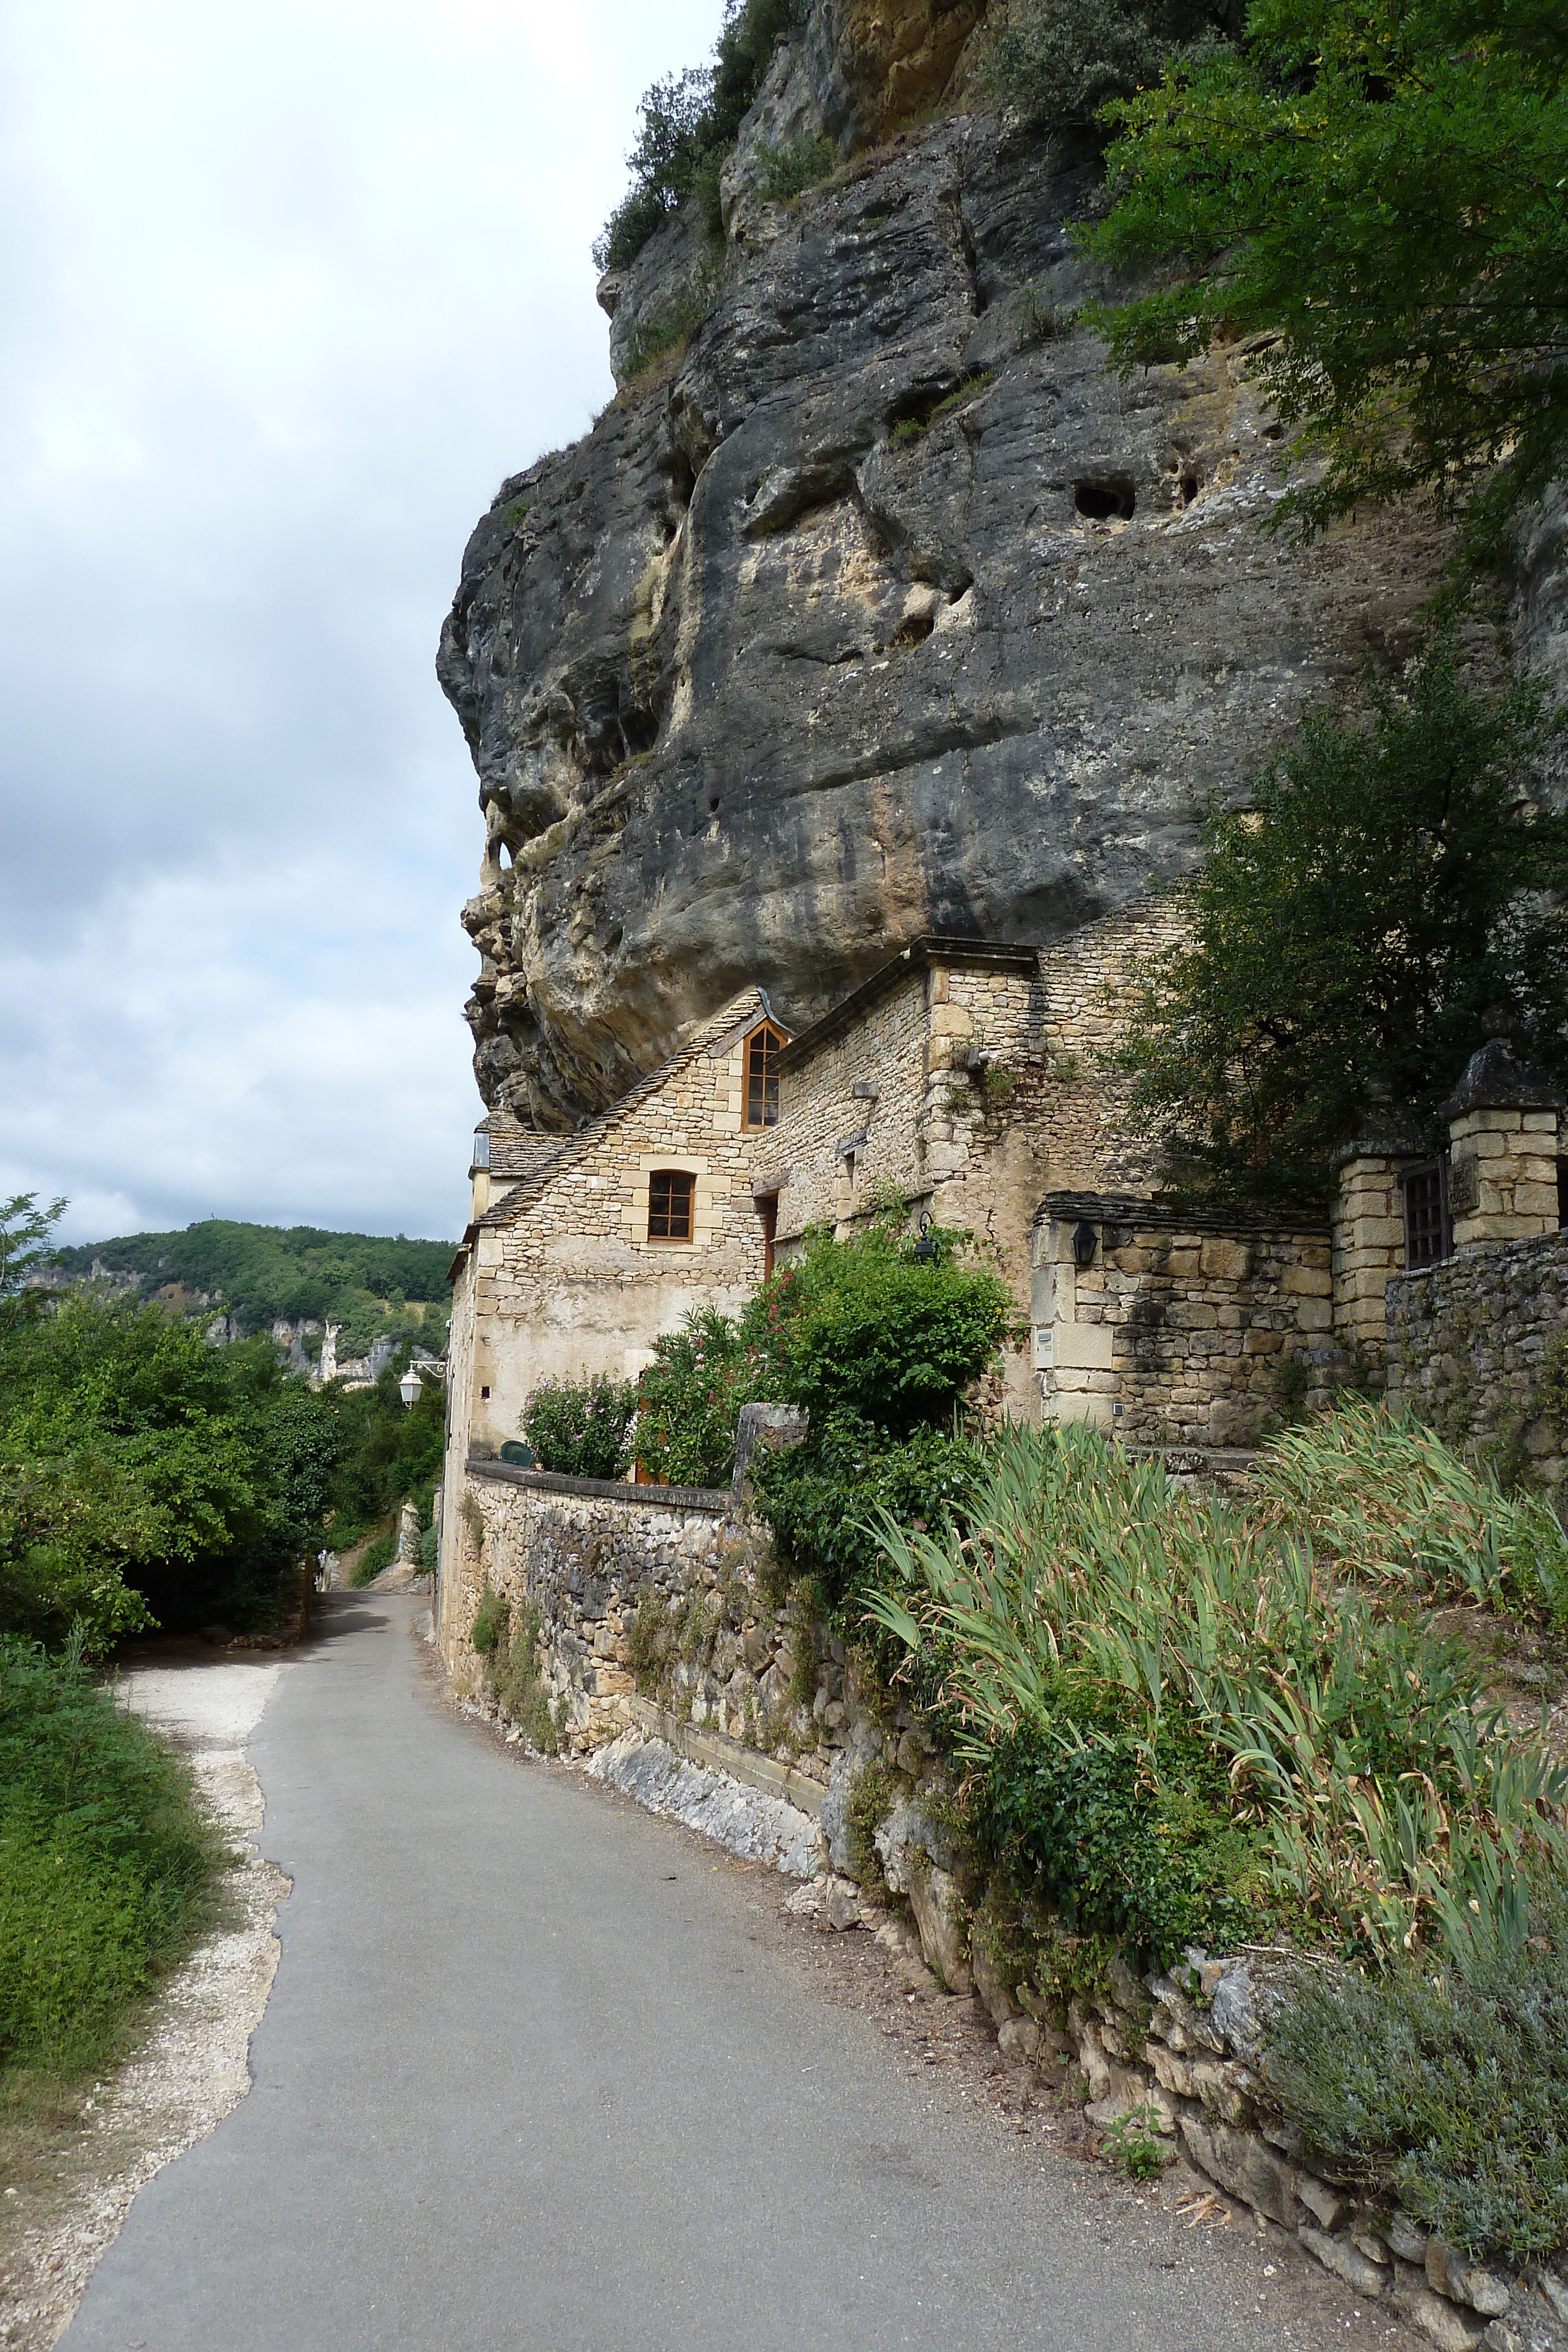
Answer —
410 1387
1086 1242
924 1248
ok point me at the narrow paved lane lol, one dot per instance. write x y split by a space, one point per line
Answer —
525 2081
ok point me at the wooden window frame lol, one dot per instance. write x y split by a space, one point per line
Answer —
1428 1221
771 1040
677 1185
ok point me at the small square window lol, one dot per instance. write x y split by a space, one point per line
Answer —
484 1392
670 1192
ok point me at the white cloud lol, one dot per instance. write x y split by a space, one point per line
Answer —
289 289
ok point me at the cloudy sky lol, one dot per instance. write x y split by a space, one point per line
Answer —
288 290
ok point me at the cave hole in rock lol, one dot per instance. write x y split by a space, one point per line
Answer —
914 630
1189 489
1105 498
1273 433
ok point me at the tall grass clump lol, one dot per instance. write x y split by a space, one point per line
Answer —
1170 1706
108 1867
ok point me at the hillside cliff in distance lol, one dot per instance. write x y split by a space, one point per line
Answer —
875 607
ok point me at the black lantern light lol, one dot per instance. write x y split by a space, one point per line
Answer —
925 1249
1086 1242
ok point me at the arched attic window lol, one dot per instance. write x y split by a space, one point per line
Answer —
763 1048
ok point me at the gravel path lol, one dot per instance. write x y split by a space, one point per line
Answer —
191 2070
541 2071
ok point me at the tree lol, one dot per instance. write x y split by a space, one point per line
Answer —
25 1231
1377 186
1390 884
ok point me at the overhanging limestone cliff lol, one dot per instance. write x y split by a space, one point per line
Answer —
881 610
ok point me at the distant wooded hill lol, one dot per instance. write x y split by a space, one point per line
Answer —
261 1274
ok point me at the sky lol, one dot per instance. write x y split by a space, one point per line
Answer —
289 290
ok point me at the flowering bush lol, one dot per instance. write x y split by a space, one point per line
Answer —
581 1427
691 1394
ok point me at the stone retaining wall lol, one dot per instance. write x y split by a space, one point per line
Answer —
1478 1345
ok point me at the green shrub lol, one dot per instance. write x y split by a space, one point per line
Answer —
801 163
1448 2092
689 1398
688 125
866 1327
581 1427
821 1499
1059 61
512 1671
1151 1860
379 1553
1212 1673
490 1621
511 1654
430 1552
106 1865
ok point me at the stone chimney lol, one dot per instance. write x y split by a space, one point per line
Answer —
1502 1121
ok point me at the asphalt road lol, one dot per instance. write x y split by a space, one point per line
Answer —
530 2078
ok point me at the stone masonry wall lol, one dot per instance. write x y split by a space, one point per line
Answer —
1478 1345
1175 1334
566 1280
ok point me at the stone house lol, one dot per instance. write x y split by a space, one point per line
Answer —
581 1249
967 1080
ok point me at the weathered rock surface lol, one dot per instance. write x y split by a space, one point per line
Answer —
885 610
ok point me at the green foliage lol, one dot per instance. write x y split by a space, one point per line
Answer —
1153 1859
796 165
263 1273
379 1553
1218 1681
1378 1491
25 1231
1377 187
690 1396
1059 61
581 1427
490 1623
865 1327
1448 2092
689 122
107 1867
870 1803
512 1671
823 1500
1134 2146
1390 884
148 1478
429 1550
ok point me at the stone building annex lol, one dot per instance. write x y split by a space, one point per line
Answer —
967 1079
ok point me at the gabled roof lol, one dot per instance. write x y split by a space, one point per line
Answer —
516 1151
750 1005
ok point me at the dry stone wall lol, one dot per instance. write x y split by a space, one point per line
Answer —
1478 1345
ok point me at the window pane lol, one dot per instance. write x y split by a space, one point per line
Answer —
670 1192
1429 1233
762 1077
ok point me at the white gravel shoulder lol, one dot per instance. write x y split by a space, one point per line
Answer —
192 2068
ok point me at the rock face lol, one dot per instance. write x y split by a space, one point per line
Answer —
880 610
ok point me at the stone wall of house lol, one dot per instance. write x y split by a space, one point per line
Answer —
1177 1331
1478 1345
566 1279
968 1086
